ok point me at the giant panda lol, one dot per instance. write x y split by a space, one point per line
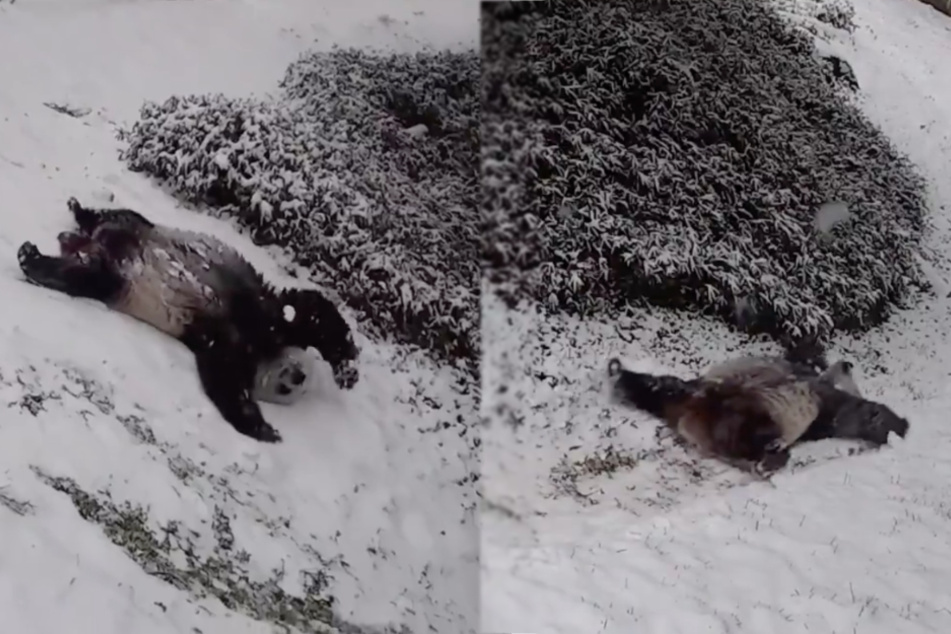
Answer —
202 292
749 411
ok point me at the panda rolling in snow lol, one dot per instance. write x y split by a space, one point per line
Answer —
749 411
202 292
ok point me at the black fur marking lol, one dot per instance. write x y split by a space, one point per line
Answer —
250 327
297 376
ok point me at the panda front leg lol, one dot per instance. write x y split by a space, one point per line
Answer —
313 320
91 279
227 377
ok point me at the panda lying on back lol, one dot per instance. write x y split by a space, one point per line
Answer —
202 292
749 411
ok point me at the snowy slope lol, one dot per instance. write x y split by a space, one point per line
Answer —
595 524
364 488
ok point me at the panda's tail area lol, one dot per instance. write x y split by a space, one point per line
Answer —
655 394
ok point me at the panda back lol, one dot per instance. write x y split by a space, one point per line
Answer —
783 391
175 275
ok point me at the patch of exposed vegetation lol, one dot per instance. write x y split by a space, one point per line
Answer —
169 553
568 474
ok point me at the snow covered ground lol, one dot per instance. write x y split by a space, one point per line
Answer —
366 488
594 524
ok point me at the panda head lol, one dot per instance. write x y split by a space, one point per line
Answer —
286 379
840 375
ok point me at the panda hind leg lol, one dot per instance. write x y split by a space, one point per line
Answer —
91 279
88 218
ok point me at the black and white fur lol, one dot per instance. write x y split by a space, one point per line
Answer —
750 411
200 291
286 379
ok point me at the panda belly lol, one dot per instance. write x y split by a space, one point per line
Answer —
166 288
789 401
793 407
732 427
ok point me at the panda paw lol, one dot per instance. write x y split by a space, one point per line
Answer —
772 462
27 253
614 367
776 446
346 376
266 433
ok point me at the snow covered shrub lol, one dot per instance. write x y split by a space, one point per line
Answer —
837 13
365 167
678 153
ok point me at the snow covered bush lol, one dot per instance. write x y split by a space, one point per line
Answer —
365 167
678 153
837 13
811 14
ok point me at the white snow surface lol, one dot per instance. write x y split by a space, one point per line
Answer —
360 476
668 543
